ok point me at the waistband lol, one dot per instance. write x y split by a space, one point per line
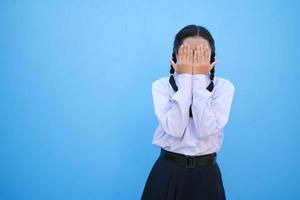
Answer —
189 161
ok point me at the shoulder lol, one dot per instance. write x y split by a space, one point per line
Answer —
161 86
222 83
162 82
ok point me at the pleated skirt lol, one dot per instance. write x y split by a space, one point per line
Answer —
169 180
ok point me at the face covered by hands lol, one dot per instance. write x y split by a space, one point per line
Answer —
193 57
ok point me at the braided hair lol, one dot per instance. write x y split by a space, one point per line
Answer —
191 31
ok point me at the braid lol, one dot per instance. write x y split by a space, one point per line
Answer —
171 79
210 87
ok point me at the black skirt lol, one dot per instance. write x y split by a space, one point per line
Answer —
169 180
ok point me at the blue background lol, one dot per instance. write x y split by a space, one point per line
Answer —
76 113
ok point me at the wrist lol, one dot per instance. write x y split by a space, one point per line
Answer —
199 71
200 81
179 73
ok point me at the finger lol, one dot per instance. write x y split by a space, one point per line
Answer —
184 53
207 54
190 54
195 58
198 54
202 53
180 52
187 53
173 64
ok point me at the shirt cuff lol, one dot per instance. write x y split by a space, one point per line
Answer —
184 93
199 81
184 81
199 86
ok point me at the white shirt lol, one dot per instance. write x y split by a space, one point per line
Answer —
197 135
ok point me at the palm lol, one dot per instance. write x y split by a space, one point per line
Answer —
201 61
193 61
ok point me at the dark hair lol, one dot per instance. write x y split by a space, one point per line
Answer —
191 31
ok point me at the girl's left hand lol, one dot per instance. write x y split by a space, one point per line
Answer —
201 62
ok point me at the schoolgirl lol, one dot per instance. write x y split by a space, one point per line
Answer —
192 107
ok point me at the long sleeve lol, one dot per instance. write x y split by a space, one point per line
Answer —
210 112
172 111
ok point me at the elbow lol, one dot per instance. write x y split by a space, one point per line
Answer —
207 131
177 131
174 129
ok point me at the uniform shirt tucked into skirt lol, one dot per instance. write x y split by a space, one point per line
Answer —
197 135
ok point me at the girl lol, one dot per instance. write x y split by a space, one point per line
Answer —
192 107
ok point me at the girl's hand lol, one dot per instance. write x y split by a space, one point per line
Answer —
184 62
201 62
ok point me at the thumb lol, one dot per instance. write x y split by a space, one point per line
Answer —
212 65
173 64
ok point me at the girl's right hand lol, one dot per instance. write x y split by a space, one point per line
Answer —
184 62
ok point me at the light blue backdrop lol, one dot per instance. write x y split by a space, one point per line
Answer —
76 113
